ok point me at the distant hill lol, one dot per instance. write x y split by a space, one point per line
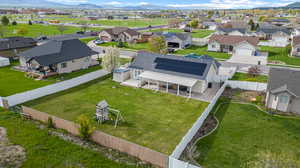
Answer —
295 5
88 6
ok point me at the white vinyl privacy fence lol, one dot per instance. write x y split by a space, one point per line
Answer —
244 85
173 159
54 88
1 102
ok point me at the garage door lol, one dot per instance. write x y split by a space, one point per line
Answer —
241 52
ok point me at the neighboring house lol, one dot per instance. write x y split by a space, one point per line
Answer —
279 22
57 57
231 31
274 34
236 25
11 43
123 34
283 91
176 40
210 25
177 74
296 46
244 49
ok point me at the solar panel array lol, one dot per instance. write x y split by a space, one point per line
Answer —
180 66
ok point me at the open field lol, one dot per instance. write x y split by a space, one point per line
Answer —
44 150
36 30
12 81
152 119
246 77
280 54
198 33
202 51
244 133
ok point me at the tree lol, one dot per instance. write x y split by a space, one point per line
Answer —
194 23
157 44
29 22
22 31
254 71
252 24
262 18
111 59
86 128
3 31
210 14
84 25
61 28
173 23
5 20
273 160
14 23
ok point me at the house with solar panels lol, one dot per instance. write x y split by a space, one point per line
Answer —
184 76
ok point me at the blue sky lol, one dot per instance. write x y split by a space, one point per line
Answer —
204 4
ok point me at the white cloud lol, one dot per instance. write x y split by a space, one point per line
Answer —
69 1
226 4
114 3
144 3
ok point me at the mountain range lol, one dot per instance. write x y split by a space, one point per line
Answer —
49 4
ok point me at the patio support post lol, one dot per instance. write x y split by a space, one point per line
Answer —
190 92
177 89
148 84
167 87
157 85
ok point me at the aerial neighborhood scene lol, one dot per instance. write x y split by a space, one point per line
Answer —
149 84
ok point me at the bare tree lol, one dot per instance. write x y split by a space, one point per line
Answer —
111 59
61 29
157 44
254 71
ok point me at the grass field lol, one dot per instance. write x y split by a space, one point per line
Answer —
152 119
243 133
245 77
12 81
202 51
280 54
195 34
136 46
44 150
36 30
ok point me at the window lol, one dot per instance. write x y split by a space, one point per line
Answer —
298 49
213 46
64 65
73 61
283 99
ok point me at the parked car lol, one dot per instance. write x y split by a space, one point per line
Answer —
98 41
80 32
42 38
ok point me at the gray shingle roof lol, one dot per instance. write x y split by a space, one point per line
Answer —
55 52
16 42
196 68
171 35
282 79
273 30
228 30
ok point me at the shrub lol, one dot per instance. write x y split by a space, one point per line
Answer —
14 23
29 22
50 123
120 44
86 128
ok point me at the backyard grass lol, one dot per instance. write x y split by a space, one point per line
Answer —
153 119
12 81
198 33
243 133
202 50
88 39
246 77
36 30
44 150
135 46
280 54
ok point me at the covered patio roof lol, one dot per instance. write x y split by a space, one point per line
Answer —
183 81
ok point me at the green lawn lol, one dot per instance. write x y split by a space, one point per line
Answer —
88 39
203 51
152 119
136 46
280 54
45 151
198 33
243 133
36 30
245 77
12 81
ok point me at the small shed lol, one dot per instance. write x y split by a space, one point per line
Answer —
121 74
4 61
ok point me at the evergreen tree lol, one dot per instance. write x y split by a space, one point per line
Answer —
5 21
